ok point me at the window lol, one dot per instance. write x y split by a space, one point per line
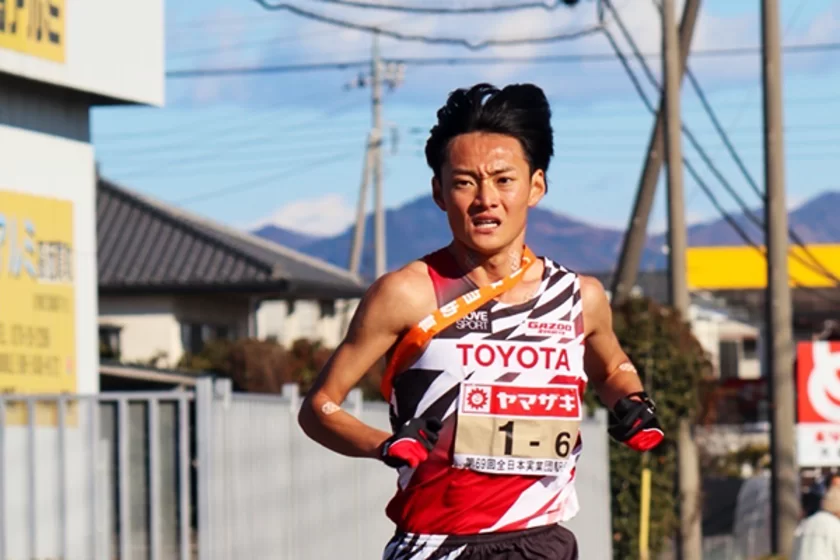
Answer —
327 308
195 335
728 359
109 342
750 349
308 315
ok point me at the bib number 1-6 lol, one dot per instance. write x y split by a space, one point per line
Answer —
562 443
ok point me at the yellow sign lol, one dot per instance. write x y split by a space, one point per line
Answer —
37 297
34 27
745 268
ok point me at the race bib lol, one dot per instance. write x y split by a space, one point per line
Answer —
517 429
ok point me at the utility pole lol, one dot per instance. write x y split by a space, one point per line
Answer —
391 75
784 502
634 240
677 235
689 474
379 210
361 211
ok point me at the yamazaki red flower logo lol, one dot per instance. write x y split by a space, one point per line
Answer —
819 382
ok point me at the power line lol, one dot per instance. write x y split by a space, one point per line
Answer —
747 175
246 161
794 17
705 157
232 144
298 169
689 167
275 69
265 42
471 61
424 38
499 8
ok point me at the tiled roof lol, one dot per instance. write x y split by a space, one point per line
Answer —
146 245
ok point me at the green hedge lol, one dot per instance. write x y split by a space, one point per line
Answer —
672 364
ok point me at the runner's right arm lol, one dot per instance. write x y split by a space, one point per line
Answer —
394 303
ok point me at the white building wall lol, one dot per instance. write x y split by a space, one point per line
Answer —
44 165
110 47
710 327
148 326
288 321
151 325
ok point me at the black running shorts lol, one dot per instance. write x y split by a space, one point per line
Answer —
551 542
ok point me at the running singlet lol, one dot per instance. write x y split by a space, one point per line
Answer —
507 382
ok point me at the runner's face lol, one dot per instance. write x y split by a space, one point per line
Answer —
486 188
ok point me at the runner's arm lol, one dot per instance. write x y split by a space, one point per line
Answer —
610 371
376 325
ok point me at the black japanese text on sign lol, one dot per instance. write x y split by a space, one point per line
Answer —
34 27
37 299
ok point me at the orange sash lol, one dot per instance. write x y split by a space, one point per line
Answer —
418 337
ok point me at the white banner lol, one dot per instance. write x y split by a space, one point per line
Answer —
818 445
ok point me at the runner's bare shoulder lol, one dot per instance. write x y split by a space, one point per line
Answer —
398 300
597 313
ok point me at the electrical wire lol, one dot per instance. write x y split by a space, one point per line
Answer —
748 213
227 144
272 69
298 169
745 172
688 166
187 73
496 9
791 22
321 18
731 221
246 161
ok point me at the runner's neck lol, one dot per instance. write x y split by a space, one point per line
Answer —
483 270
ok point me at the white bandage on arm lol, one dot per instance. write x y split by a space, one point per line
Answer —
330 407
627 367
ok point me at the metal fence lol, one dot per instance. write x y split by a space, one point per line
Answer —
95 477
213 475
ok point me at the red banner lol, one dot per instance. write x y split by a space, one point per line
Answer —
818 382
818 403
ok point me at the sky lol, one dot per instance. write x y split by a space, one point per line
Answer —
287 148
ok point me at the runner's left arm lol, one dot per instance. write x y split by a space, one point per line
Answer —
633 418
610 371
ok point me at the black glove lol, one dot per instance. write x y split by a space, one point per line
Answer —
633 422
412 443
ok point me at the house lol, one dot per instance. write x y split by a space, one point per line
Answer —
170 281
729 337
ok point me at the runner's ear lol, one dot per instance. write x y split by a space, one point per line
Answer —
437 194
538 187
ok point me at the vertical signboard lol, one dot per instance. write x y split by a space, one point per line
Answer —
37 300
33 27
818 404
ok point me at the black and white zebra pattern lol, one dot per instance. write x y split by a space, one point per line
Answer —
430 387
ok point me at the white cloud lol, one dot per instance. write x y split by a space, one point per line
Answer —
225 30
326 215
642 18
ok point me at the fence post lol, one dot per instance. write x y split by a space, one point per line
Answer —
222 391
291 391
204 441
355 404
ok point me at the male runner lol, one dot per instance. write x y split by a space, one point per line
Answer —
489 351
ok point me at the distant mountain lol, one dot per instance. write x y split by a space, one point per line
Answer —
419 227
815 221
286 237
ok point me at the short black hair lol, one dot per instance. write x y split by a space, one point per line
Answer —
518 110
